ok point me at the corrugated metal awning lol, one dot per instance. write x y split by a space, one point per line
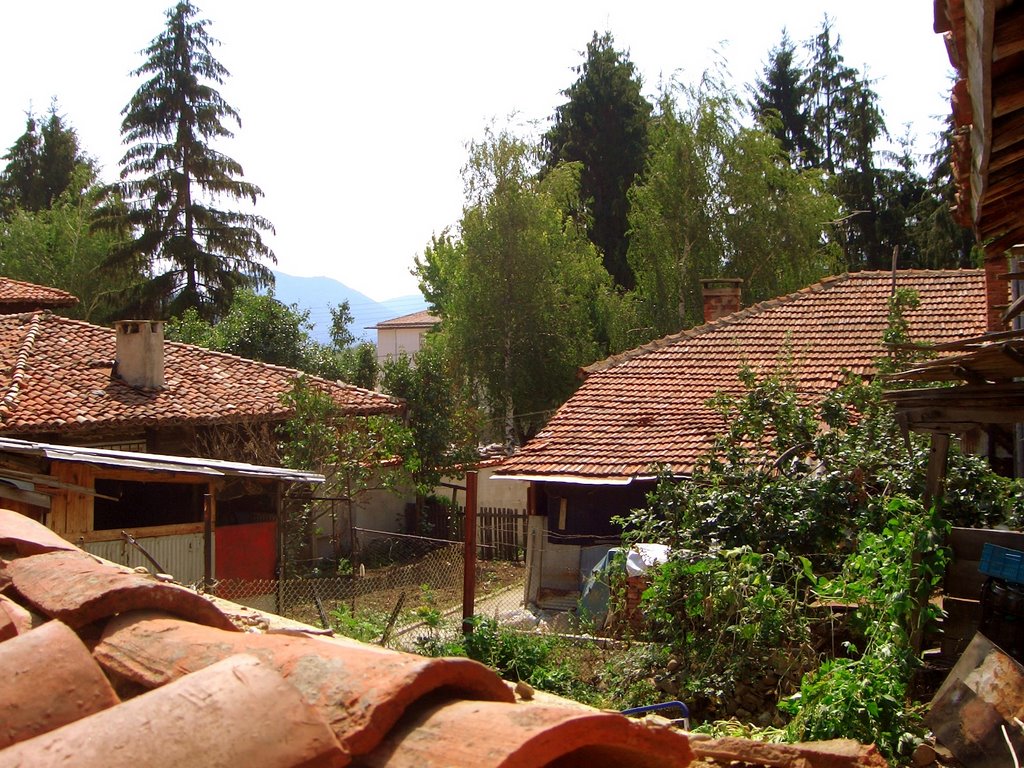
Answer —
154 462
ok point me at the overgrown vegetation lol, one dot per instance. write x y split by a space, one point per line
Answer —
802 562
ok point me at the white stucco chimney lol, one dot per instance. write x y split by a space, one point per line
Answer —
140 352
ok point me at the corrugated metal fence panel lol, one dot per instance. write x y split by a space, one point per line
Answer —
181 555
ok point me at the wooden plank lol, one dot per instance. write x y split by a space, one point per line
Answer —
1009 32
979 26
967 543
964 580
144 532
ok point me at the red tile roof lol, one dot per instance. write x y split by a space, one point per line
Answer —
18 296
648 406
55 376
93 680
422 319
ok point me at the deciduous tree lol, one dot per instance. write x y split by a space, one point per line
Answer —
720 199
516 288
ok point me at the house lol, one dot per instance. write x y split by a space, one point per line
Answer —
647 407
18 296
162 677
403 335
68 381
196 519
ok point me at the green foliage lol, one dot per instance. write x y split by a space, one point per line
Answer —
889 579
516 290
43 164
604 126
728 614
198 255
58 246
718 199
788 492
365 625
255 326
442 424
356 454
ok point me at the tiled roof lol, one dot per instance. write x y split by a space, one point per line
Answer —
106 666
648 406
423 319
55 376
18 296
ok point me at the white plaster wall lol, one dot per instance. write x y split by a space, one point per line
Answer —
393 342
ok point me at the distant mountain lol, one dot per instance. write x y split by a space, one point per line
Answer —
318 294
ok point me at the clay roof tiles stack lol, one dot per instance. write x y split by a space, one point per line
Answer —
105 666
648 406
56 376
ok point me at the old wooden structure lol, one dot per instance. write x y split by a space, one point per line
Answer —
197 519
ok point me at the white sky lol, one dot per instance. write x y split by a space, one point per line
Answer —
355 117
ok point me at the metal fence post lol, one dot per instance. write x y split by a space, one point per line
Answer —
469 555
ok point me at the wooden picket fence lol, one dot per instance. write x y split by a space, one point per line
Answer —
500 531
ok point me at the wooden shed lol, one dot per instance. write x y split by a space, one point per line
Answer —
197 519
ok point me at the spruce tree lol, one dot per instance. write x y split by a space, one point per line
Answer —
778 100
604 126
41 164
198 254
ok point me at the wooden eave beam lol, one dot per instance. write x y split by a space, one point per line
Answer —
1009 33
979 26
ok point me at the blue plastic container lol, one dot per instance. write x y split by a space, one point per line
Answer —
1002 563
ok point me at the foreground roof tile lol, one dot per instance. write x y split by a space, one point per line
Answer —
648 407
14 620
361 690
50 679
483 733
77 589
235 713
29 537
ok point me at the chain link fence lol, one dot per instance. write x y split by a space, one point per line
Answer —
405 588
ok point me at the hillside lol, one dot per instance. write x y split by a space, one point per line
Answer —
318 294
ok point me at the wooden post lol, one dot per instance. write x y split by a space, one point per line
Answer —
938 461
207 540
469 555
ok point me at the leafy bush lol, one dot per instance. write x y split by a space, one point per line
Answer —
367 626
888 578
727 615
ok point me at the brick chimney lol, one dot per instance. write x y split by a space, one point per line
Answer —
721 296
997 293
140 353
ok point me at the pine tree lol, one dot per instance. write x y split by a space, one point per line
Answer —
778 100
41 164
604 125
198 254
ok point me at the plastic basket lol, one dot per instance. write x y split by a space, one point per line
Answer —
1002 563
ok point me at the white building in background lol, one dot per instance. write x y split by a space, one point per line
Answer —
403 335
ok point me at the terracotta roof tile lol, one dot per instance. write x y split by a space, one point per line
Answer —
648 406
50 659
194 694
535 735
360 689
422 319
75 588
18 296
238 712
55 376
